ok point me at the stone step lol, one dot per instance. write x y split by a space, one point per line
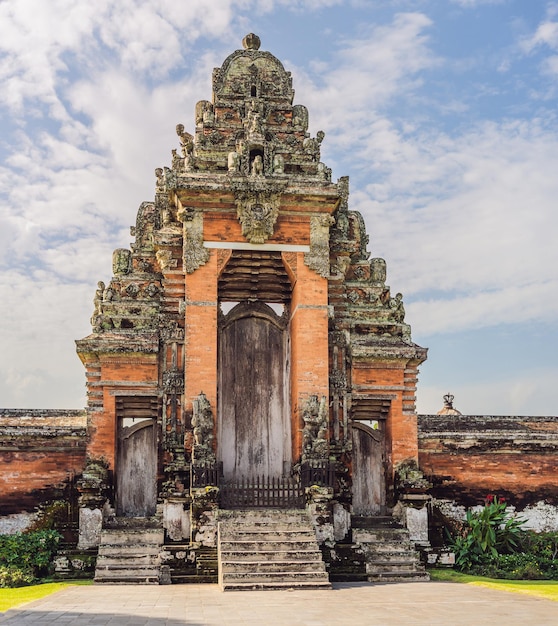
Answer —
132 537
375 521
281 576
271 555
255 586
372 535
393 557
269 550
252 546
378 567
397 577
271 567
245 516
128 550
388 547
266 532
135 560
130 554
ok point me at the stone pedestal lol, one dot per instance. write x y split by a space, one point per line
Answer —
176 518
90 526
412 511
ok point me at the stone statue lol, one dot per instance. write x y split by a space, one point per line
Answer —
311 145
257 166
96 317
300 117
378 271
160 176
398 310
177 161
202 107
186 140
324 172
314 434
233 162
121 260
278 164
202 425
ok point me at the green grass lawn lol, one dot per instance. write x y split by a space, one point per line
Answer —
547 589
10 598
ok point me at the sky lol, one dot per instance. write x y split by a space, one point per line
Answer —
443 115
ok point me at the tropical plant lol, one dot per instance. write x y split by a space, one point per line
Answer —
487 533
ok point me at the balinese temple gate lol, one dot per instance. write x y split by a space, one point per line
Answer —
248 366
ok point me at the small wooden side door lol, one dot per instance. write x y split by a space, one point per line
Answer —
369 485
136 463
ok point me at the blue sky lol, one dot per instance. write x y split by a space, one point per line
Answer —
443 114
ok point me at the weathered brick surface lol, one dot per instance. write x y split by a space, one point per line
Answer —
468 456
40 450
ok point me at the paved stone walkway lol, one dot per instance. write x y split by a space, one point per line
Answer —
407 604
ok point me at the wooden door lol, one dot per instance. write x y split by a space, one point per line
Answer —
136 464
253 431
369 497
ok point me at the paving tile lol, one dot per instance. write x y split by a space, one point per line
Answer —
408 604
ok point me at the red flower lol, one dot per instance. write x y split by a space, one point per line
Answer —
489 498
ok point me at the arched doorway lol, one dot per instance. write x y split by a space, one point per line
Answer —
253 430
369 484
136 456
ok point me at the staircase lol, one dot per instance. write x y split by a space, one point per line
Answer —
269 549
389 554
129 553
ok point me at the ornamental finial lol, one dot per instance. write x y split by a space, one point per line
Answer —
251 42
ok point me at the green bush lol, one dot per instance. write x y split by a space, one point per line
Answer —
486 534
29 552
14 577
491 542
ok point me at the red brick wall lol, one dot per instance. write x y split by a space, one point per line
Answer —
40 451
467 457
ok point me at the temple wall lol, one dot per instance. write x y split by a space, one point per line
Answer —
469 456
40 451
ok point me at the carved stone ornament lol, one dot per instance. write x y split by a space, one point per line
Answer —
318 257
195 255
257 212
121 261
173 381
169 329
202 424
314 434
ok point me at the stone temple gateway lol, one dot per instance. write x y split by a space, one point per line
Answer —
250 376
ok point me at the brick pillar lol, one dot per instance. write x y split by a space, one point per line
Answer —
309 344
200 335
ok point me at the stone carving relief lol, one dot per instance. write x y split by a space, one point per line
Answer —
121 261
164 257
147 220
256 167
314 434
317 258
202 425
169 329
300 117
173 381
278 164
195 255
233 162
257 212
397 308
312 145
378 272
